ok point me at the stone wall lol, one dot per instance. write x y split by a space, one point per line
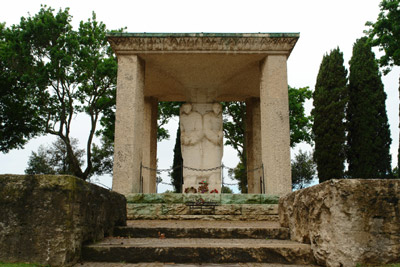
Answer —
346 221
45 219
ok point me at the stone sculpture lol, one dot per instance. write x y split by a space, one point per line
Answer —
201 144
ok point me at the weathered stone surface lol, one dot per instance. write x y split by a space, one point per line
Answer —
205 197
202 250
45 219
251 217
346 221
240 199
170 198
160 209
269 199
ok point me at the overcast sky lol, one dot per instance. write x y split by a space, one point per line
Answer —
323 25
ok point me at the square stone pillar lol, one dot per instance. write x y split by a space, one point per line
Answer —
275 135
128 124
253 145
150 144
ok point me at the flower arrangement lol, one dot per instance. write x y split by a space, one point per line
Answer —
190 190
203 188
214 191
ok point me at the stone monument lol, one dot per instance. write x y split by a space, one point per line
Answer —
201 144
202 69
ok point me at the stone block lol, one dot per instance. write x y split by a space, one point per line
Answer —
240 199
269 199
174 209
205 197
144 208
46 218
172 197
347 222
154 198
260 209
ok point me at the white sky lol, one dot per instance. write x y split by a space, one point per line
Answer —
323 25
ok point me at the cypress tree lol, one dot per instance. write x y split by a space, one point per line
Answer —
368 140
176 174
329 114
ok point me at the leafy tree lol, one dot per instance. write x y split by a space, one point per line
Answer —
303 170
177 166
385 33
68 71
330 100
20 120
368 138
226 190
54 159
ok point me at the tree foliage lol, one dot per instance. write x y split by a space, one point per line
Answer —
385 33
20 90
368 138
330 98
54 159
67 72
303 170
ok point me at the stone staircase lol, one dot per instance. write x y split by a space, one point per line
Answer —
244 228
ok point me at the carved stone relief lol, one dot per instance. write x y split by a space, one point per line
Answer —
201 144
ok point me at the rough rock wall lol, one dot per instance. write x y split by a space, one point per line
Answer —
346 221
45 218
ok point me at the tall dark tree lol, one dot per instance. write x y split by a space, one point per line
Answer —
330 100
368 140
385 33
177 165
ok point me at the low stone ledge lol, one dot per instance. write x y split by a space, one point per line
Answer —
46 218
346 221
175 198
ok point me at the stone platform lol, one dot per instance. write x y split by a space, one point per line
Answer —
230 207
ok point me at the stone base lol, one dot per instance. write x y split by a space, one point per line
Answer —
46 218
346 221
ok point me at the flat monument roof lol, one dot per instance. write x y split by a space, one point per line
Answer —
225 66
204 34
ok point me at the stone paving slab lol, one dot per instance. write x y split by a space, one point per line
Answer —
199 242
195 250
248 217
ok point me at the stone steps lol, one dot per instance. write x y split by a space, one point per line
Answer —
199 241
150 229
198 250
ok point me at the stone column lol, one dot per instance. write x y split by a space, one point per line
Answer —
128 124
150 144
275 136
253 145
